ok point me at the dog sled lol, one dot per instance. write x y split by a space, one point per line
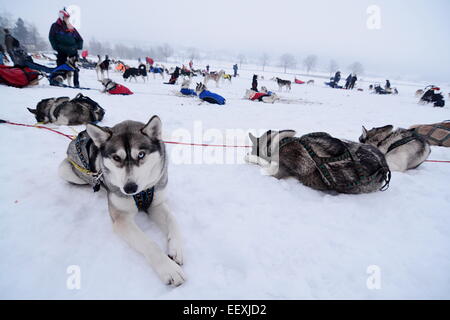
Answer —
432 94
18 77
437 134
297 81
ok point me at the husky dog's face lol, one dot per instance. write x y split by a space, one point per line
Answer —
132 154
375 135
200 88
264 146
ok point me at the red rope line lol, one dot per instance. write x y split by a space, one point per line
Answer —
168 142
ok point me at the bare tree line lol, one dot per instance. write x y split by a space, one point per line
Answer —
25 32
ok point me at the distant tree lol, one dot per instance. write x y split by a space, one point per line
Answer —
193 54
310 62
333 66
264 59
165 51
95 47
37 41
287 61
4 23
241 59
356 67
21 32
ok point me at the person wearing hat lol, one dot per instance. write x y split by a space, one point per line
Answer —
66 40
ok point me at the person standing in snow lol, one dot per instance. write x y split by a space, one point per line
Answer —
255 83
191 64
207 68
352 83
235 69
65 40
348 81
388 85
337 77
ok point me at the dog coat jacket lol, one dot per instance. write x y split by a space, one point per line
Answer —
120 89
188 92
259 95
213 98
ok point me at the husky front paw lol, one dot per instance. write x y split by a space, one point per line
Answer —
175 251
170 273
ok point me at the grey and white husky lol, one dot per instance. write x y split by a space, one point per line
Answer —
129 160
320 161
63 111
403 148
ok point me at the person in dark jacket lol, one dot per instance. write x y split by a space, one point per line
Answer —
348 81
353 81
337 77
255 83
235 69
66 40
388 85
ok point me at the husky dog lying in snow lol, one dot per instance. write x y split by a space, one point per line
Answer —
283 83
215 76
403 149
264 95
437 134
63 111
320 161
204 94
129 160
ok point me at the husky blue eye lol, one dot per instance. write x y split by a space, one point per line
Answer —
141 155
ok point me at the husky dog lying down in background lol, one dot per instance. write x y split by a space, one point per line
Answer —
320 161
63 111
403 148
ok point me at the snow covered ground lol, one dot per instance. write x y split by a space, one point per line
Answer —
247 236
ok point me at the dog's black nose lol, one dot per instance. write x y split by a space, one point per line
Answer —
130 188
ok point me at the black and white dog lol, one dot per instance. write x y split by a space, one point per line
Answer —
283 83
133 73
129 160
102 67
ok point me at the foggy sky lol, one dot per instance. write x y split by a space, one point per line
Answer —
413 39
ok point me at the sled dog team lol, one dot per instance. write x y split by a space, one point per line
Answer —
129 161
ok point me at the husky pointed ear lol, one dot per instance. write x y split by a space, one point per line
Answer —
98 134
153 128
253 139
364 132
33 111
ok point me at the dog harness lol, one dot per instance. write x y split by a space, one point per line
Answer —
322 165
78 156
428 136
400 142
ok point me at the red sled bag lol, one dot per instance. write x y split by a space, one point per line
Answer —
17 77
120 89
